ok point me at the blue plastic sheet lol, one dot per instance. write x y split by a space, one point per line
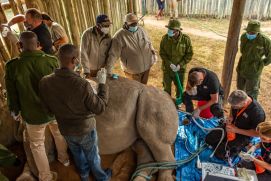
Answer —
189 139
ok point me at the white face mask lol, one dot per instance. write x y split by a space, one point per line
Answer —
105 30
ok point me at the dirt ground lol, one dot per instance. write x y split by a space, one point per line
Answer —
208 39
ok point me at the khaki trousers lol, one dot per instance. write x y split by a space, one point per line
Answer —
36 136
141 77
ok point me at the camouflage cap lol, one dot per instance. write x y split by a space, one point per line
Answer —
174 24
253 26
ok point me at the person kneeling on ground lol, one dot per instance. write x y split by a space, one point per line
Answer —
72 100
262 163
246 114
203 85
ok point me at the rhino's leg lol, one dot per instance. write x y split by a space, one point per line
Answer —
157 125
144 155
162 152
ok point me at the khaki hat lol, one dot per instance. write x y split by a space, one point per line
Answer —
253 26
174 24
131 18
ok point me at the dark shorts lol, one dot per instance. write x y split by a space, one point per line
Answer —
161 5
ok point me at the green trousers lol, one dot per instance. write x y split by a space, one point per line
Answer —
169 77
250 86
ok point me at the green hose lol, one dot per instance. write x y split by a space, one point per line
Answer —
179 99
164 165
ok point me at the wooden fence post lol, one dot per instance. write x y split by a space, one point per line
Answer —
72 22
232 44
15 12
7 44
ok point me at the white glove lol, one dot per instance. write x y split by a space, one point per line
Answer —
246 156
16 117
193 91
101 76
196 113
175 68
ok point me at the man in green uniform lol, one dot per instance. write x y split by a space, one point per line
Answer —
256 53
22 83
176 51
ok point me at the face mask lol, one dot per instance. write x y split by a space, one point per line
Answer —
170 33
133 28
105 30
251 37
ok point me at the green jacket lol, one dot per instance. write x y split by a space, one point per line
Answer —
178 51
22 83
255 55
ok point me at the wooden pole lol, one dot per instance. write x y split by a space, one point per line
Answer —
7 44
34 4
4 53
5 5
20 6
15 12
72 22
232 44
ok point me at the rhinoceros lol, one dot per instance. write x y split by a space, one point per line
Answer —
140 116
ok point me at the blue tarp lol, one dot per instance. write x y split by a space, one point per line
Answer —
189 139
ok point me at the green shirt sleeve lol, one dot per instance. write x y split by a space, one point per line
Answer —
12 94
267 52
162 52
188 52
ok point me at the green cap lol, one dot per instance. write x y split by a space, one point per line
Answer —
174 24
253 26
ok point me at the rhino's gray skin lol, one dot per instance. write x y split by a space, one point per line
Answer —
136 111
140 116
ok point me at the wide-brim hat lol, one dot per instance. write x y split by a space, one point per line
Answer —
131 18
174 24
253 26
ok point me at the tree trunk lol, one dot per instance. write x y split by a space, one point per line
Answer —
232 44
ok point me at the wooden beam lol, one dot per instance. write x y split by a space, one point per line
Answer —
73 26
5 6
15 11
20 6
3 20
232 44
